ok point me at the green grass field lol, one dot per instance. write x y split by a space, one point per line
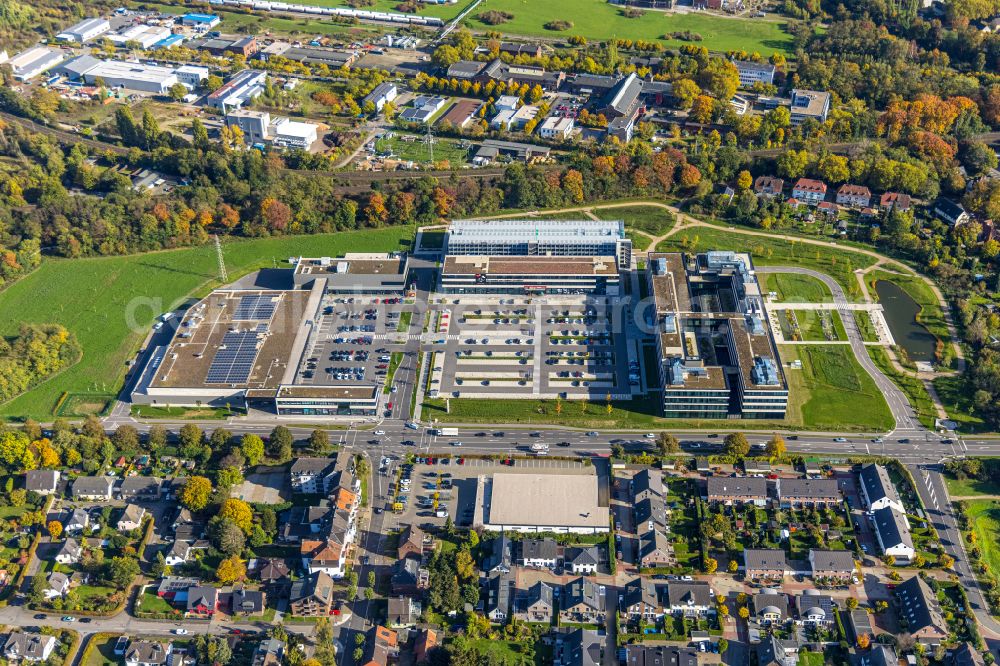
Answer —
956 395
446 11
971 487
419 151
984 519
812 328
600 20
826 392
262 22
109 303
795 288
838 264
865 326
931 315
653 220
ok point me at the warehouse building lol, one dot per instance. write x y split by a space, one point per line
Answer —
287 133
146 36
75 68
85 30
526 503
191 75
200 21
28 64
132 76
237 91
356 273
258 128
717 354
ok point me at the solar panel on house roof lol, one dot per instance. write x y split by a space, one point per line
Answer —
256 307
234 359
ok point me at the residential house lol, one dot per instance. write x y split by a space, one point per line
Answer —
202 601
799 493
764 564
93 487
26 646
305 522
690 599
140 487
539 553
770 607
809 191
582 560
892 530
520 48
660 655
577 647
877 489
655 550
894 200
41 481
966 655
403 611
408 577
621 128
832 564
269 652
920 613
69 553
856 196
859 622
131 518
411 542
650 514
879 655
179 553
641 600
271 571
951 212
501 557
736 490
382 646
175 588
147 653
311 475
58 585
312 596
772 651
582 600
535 604
815 609
647 484
425 641
247 602
768 186
328 555
498 596
831 210
78 521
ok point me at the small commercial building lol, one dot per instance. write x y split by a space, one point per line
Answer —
380 95
238 90
146 36
754 72
253 124
556 127
200 21
85 30
293 134
132 76
191 75
28 64
561 503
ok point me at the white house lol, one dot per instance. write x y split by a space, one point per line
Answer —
58 585
878 490
507 103
131 518
69 553
78 521
893 533
24 646
539 553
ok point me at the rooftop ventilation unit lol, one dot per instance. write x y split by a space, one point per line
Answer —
764 372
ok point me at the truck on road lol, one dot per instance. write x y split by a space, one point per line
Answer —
540 449
447 432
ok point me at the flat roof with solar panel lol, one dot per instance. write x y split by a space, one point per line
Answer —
235 357
256 307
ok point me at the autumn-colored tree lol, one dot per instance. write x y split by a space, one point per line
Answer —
229 217
852 603
711 564
744 613
443 201
55 528
572 182
775 447
48 457
402 206
376 213
864 641
230 570
276 214
239 512
690 176
196 492
732 567
744 181
702 108
685 91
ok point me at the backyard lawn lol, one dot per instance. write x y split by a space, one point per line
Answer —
109 303
601 20
795 288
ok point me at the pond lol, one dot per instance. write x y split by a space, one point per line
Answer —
901 315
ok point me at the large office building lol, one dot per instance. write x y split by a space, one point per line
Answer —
535 256
717 354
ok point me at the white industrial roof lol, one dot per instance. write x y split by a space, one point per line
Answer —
295 129
546 500
117 69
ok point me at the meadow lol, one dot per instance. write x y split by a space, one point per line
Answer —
109 303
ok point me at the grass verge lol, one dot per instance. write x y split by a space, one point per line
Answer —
912 387
795 288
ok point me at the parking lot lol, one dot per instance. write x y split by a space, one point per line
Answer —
453 479
526 348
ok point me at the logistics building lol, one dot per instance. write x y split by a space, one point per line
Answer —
85 30
561 503
28 64
133 76
146 36
717 354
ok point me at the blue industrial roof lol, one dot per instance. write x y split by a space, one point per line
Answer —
167 42
201 18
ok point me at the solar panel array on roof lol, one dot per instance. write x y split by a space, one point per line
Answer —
258 307
234 359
